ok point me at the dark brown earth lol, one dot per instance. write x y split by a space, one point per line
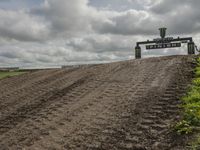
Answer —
128 105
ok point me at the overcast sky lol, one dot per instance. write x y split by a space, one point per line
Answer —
47 33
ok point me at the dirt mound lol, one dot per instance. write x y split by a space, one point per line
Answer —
124 105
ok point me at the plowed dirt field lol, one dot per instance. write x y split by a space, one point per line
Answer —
128 105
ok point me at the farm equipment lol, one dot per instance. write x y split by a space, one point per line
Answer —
166 42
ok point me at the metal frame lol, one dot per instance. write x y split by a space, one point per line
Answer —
163 40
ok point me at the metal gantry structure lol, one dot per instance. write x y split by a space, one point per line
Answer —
165 42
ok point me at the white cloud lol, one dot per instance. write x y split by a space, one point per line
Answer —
21 26
73 31
67 18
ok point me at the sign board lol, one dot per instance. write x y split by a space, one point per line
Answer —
164 40
165 45
184 41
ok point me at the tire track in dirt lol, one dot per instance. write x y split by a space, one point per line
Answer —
125 105
110 131
90 88
43 77
15 82
32 91
98 105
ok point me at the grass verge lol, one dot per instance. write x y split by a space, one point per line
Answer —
10 74
191 110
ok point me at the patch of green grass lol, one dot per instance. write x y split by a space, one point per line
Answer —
191 109
10 74
196 82
198 72
195 145
193 96
183 127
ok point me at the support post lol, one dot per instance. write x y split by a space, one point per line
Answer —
162 32
191 48
137 52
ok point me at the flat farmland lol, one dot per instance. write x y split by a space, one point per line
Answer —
5 74
129 105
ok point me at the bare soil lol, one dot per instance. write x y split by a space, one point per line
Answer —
128 105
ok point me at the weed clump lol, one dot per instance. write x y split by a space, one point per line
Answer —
191 106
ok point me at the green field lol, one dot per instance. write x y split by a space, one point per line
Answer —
10 74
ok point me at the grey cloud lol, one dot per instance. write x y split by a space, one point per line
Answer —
52 20
37 55
72 31
102 43
180 16
74 18
9 54
67 18
168 6
21 26
131 22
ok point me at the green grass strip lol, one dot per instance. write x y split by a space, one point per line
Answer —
191 109
10 74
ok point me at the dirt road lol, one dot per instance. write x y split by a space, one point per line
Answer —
119 106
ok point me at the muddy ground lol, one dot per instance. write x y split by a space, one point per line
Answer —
128 105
